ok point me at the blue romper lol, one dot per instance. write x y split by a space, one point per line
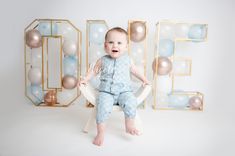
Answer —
115 88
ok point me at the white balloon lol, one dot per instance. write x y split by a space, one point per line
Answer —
164 84
69 47
181 30
181 67
67 31
167 31
35 75
36 57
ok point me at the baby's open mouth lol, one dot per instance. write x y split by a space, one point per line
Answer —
114 51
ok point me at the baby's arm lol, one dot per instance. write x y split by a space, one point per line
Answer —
136 73
91 72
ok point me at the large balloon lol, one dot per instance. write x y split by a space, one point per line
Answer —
69 82
48 28
197 31
195 102
50 98
33 38
166 47
137 31
69 47
164 66
35 76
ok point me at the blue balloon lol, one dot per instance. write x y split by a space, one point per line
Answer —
197 31
48 28
178 101
70 66
35 93
166 47
97 33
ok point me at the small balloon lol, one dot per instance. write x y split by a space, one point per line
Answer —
181 30
36 57
50 98
97 33
195 102
35 76
67 31
69 47
178 101
70 65
35 93
33 38
69 82
166 47
48 28
197 31
164 84
164 66
137 31
167 31
95 52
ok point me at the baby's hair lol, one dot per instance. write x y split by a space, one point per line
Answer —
118 29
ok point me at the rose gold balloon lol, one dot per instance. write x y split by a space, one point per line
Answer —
137 31
33 38
164 66
50 98
69 82
195 102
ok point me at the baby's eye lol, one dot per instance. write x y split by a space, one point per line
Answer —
110 42
119 42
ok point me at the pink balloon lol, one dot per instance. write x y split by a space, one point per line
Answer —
33 38
164 66
137 31
195 102
69 82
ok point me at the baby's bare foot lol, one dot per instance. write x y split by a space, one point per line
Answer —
130 127
99 139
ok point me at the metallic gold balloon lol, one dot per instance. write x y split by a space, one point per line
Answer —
164 66
69 82
33 38
137 31
195 102
50 98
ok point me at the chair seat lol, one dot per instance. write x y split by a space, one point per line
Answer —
90 93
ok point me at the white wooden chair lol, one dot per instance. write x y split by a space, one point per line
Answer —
90 93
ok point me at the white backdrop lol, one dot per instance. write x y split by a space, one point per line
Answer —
213 72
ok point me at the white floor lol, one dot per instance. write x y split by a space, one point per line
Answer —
27 130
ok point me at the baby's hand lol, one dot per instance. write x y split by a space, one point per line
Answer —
146 82
82 81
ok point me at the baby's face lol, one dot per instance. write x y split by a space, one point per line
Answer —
115 44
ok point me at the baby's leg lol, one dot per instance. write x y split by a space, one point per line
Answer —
99 139
104 108
128 103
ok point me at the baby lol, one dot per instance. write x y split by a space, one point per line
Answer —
114 88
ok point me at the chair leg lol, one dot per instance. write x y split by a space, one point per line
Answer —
90 120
